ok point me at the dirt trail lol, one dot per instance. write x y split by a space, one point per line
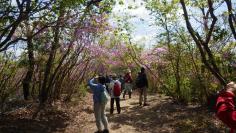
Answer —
161 116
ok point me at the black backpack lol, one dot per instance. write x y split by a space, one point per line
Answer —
138 81
212 100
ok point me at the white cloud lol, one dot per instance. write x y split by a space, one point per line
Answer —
141 21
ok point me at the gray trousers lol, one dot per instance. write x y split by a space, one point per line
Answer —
99 113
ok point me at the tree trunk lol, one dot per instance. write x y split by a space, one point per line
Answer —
203 45
45 89
27 80
231 17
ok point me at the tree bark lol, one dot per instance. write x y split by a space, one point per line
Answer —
7 33
45 89
231 17
28 78
203 45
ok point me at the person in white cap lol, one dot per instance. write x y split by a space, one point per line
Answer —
115 91
128 83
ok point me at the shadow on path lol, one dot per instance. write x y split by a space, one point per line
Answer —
47 122
166 117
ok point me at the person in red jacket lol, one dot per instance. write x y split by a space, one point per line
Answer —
128 84
225 106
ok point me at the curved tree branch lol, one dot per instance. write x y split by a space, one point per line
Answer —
231 18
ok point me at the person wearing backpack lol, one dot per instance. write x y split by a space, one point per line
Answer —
225 106
99 100
142 85
115 91
128 84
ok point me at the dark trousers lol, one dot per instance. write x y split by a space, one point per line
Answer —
117 105
129 92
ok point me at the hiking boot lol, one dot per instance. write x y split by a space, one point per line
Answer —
111 112
105 131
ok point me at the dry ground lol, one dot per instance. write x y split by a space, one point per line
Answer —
161 116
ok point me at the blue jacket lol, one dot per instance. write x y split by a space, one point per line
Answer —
97 90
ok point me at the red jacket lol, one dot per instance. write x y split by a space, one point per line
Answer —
225 109
128 78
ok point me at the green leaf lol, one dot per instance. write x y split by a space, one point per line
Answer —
121 2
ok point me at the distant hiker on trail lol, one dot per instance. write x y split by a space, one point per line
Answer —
128 83
100 98
122 81
142 85
115 91
225 106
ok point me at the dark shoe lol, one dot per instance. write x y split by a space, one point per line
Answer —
105 131
140 104
145 104
99 132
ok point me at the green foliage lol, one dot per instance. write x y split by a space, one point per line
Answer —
219 33
106 6
178 72
121 2
186 91
9 79
71 3
183 76
82 89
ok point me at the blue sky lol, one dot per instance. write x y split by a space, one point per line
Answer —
143 30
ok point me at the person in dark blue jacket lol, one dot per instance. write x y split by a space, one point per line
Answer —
142 85
99 105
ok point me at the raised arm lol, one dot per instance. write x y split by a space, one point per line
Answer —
92 84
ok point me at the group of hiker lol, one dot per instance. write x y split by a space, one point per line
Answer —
112 86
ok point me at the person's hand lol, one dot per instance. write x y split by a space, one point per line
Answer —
96 78
89 90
